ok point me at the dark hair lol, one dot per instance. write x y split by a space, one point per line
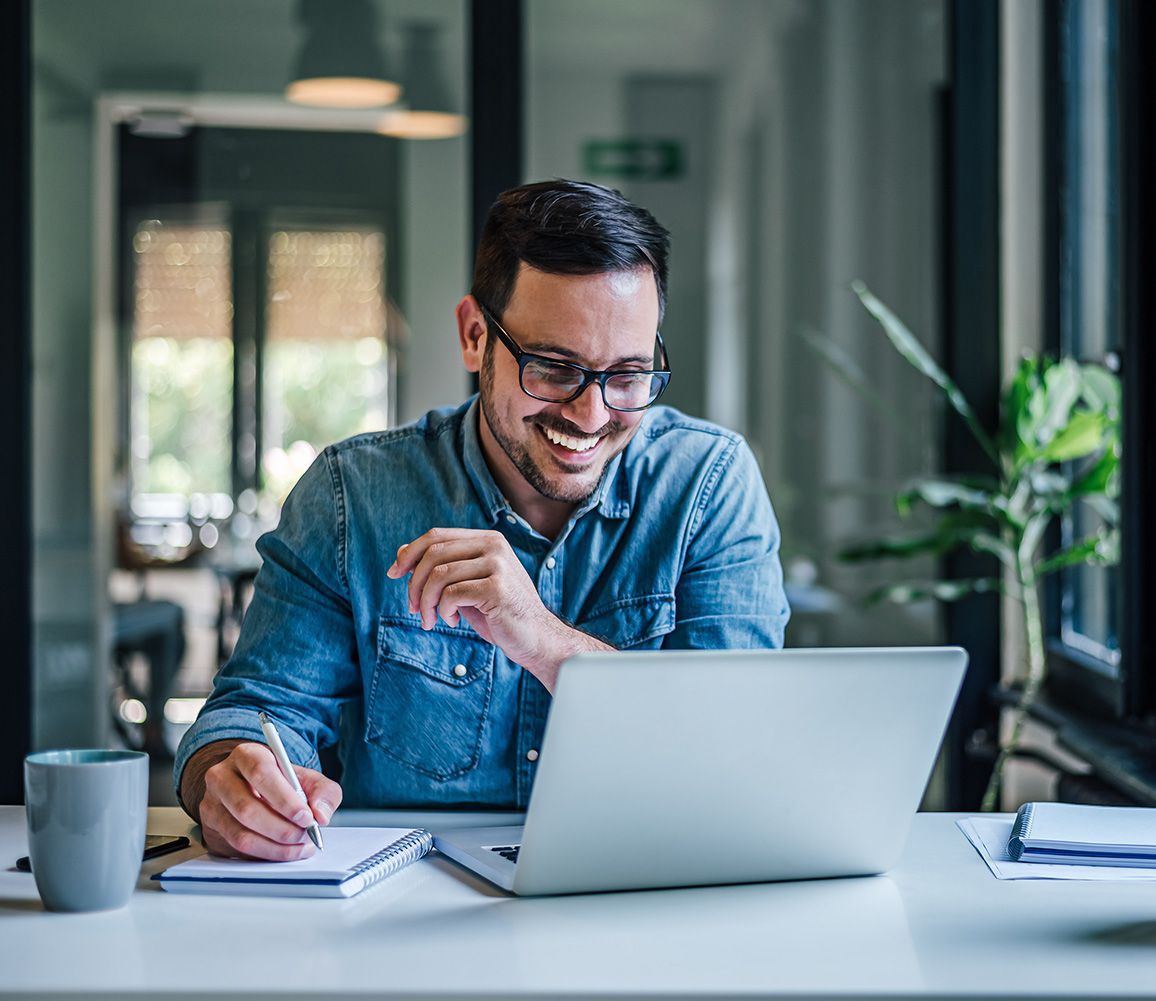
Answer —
566 228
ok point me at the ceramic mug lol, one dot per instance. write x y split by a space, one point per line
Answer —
86 825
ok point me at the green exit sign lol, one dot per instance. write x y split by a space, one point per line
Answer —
634 159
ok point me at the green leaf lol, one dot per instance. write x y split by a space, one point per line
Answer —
940 590
1084 434
1100 388
1100 549
900 547
1060 393
1105 507
941 493
915 353
1100 477
1015 404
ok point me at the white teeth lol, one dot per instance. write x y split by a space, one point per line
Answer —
574 444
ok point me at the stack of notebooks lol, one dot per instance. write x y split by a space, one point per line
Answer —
353 858
1068 834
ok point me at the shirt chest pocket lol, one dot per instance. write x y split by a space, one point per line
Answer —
640 622
430 696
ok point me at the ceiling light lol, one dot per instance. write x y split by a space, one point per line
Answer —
429 112
341 63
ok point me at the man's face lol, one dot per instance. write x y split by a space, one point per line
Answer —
605 321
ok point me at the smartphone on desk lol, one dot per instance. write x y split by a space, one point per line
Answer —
155 844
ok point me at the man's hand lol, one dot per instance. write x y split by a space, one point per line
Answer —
247 808
474 574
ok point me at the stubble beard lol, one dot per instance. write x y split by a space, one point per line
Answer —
565 489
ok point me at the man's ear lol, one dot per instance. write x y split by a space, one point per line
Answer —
471 332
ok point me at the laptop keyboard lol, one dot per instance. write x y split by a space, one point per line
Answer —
508 852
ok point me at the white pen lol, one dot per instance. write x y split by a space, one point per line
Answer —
278 749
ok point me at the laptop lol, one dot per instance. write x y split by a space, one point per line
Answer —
695 767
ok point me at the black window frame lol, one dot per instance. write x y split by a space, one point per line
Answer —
1078 683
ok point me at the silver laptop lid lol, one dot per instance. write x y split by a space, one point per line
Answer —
678 768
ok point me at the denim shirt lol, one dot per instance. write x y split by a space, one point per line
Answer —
676 548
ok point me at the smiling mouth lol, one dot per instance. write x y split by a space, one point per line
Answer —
578 446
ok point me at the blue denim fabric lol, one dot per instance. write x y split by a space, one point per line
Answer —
678 547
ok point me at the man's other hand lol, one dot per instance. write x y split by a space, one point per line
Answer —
473 574
247 808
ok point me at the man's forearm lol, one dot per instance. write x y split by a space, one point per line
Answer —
565 641
193 777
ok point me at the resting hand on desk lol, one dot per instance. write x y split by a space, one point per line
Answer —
473 574
247 808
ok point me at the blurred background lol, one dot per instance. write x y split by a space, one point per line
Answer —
250 220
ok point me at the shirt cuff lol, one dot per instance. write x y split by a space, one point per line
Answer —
238 724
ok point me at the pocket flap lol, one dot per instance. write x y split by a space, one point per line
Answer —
455 655
631 622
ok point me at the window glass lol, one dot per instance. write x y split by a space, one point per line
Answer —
1090 282
182 359
325 360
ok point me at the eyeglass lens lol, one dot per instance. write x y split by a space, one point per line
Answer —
559 382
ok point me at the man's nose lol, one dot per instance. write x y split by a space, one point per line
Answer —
587 410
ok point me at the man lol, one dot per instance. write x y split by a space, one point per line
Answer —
426 583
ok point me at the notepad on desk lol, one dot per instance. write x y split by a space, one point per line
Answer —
354 858
1072 834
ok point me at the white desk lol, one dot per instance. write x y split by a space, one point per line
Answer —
939 925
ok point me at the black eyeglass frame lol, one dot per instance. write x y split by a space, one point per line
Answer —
589 375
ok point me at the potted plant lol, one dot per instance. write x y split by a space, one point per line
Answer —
1057 445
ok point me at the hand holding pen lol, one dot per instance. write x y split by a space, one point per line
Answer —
246 806
286 766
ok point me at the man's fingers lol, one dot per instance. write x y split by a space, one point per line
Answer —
467 594
260 770
225 835
439 555
324 794
409 555
233 799
444 576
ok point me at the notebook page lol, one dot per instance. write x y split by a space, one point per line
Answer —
345 849
1113 827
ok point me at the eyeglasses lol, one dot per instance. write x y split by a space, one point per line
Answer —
559 382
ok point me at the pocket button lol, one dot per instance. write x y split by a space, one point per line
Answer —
459 670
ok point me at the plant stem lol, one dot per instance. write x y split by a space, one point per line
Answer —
1034 631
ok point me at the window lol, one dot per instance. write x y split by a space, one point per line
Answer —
324 375
1089 326
182 358
256 327
1099 197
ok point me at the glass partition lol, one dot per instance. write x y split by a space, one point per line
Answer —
791 148
219 239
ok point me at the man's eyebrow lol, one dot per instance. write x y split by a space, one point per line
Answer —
541 347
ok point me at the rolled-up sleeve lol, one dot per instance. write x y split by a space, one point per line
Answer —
296 657
730 593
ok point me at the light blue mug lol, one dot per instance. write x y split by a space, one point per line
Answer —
86 826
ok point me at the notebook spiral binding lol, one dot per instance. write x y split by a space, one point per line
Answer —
398 855
1020 830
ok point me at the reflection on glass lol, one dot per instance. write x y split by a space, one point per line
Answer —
325 374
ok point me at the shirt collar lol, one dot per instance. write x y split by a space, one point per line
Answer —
611 496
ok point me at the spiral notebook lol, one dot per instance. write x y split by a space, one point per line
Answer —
354 858
1074 834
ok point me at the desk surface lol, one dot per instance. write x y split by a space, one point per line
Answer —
939 925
